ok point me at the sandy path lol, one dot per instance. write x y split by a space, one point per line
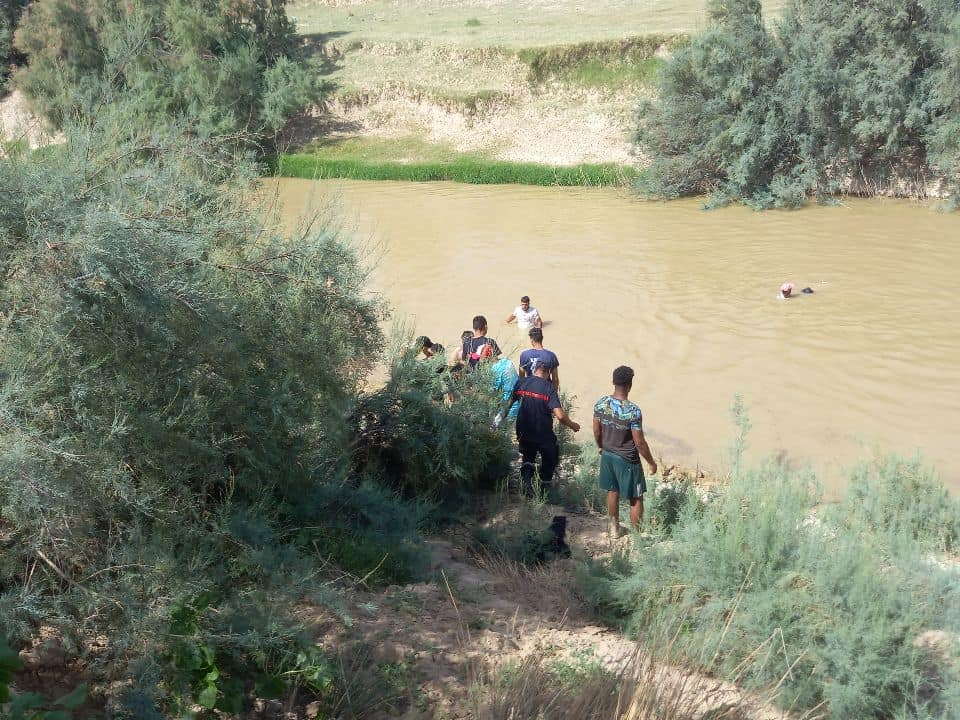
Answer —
479 614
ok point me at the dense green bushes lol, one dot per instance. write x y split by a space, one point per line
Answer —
410 440
178 380
184 445
839 95
833 604
9 56
174 378
221 66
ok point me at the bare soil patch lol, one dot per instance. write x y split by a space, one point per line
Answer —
480 614
18 123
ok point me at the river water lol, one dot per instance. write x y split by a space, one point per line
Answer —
866 364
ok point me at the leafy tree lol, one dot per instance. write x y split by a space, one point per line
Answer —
942 92
9 56
713 127
175 378
841 93
226 66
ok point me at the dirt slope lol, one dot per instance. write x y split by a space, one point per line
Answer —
477 616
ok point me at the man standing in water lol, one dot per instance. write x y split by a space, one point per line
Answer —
618 431
537 352
539 405
526 316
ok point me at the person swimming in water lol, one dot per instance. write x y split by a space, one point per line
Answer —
786 291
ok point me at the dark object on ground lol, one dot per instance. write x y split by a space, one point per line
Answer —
543 546
807 290
559 545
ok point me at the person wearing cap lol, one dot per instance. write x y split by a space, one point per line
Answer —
539 355
785 291
539 405
526 316
618 432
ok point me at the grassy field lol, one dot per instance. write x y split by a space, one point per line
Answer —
417 84
499 23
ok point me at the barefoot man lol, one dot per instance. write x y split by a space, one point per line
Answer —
618 430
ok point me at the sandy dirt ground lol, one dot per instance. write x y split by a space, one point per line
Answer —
551 129
479 614
19 123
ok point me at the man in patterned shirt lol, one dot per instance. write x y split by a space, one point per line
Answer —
618 430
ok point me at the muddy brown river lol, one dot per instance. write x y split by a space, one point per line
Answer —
866 364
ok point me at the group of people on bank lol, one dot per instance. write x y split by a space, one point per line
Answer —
530 398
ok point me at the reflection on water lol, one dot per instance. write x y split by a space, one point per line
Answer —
867 363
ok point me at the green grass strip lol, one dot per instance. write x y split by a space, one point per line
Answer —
486 172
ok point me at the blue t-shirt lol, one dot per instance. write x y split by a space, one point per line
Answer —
541 356
504 378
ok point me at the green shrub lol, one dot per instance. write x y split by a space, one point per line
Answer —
827 605
838 91
175 375
9 56
584 488
410 439
664 501
222 66
367 530
904 499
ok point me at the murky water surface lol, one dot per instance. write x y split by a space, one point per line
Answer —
867 363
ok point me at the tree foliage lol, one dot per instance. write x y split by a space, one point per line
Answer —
9 56
175 378
839 95
183 425
829 604
226 65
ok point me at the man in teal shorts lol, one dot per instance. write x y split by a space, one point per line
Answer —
618 430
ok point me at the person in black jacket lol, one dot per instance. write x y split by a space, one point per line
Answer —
539 405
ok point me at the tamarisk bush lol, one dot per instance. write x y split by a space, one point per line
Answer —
228 66
9 16
176 375
835 96
834 606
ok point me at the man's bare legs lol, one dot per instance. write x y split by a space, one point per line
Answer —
613 508
636 512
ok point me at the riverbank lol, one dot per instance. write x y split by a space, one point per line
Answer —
481 92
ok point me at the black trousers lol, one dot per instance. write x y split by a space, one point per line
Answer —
549 457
